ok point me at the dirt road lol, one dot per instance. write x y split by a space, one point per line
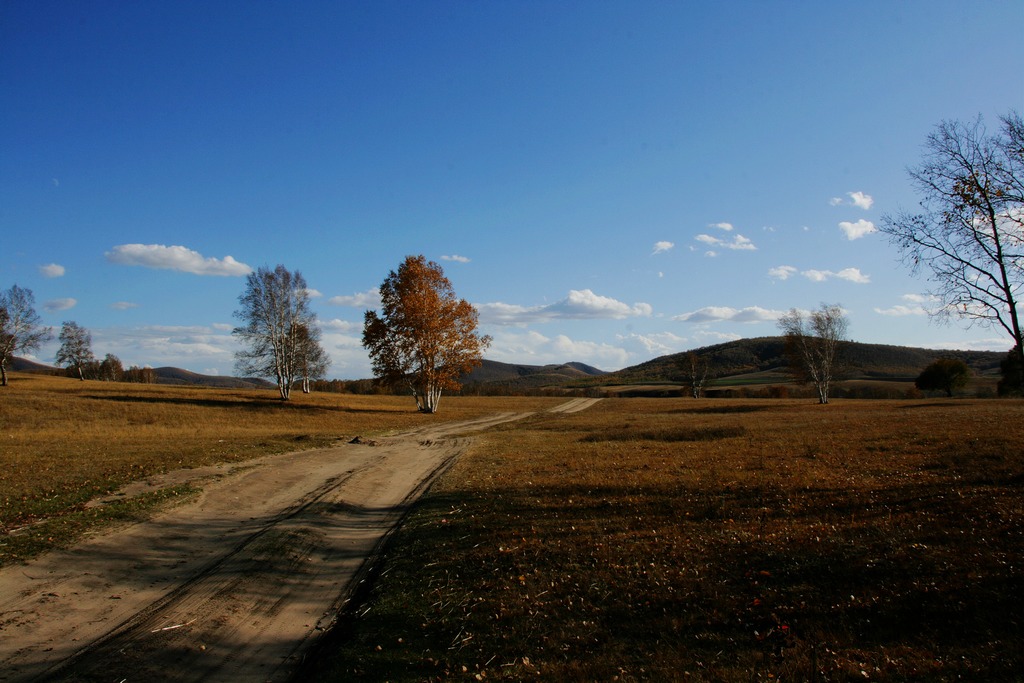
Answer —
233 586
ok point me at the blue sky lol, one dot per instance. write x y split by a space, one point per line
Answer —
607 181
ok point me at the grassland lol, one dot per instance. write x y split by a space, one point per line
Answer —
64 443
728 540
641 539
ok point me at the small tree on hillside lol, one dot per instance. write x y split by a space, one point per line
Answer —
695 372
111 369
814 343
424 337
19 326
75 351
945 374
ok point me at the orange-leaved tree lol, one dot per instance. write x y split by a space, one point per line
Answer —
424 337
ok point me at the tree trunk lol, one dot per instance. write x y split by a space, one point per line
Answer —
3 375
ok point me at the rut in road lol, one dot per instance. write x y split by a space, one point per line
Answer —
233 587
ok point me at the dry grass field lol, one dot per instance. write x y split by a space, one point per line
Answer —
64 442
711 540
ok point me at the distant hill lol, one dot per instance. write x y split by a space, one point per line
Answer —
168 375
766 354
515 377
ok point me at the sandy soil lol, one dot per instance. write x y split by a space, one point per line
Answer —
232 586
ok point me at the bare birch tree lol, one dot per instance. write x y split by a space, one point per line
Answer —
19 326
312 358
75 351
969 235
424 337
695 371
814 343
274 307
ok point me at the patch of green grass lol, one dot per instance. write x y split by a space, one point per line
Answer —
62 530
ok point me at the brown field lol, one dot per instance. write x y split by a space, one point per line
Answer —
64 442
711 540
641 539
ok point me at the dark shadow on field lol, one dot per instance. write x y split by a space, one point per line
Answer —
256 403
727 573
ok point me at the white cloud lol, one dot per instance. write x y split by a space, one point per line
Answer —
54 305
313 293
578 305
858 199
51 270
175 258
750 314
918 305
738 242
861 200
337 325
660 247
456 258
782 272
721 226
855 231
849 274
533 348
123 305
368 299
899 310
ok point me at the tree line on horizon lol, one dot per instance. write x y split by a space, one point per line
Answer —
968 237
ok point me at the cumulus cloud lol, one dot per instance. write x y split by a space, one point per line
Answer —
660 247
858 199
721 226
750 314
51 270
338 325
578 305
123 305
861 200
175 258
782 272
456 258
854 231
368 299
848 274
537 349
738 242
54 305
313 293
917 304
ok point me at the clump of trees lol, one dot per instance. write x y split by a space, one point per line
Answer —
424 337
279 330
969 234
945 374
814 344
19 326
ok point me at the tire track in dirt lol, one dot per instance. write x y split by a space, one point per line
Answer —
234 586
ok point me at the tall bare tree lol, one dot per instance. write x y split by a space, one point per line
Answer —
274 307
75 351
424 337
19 326
969 235
814 342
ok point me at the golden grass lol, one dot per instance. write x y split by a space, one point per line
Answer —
64 442
729 540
